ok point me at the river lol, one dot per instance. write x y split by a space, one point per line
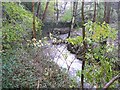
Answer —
63 58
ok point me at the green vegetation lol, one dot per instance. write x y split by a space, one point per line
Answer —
33 60
17 24
67 15
100 56
20 67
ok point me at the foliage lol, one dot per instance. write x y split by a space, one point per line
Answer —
17 22
21 69
67 15
28 66
99 56
75 41
101 65
16 70
98 32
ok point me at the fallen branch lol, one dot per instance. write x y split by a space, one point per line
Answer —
111 81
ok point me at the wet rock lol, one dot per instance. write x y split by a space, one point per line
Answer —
75 49
70 48
61 30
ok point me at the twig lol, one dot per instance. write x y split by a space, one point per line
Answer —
111 81
70 64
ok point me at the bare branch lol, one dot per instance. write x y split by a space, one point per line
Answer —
111 81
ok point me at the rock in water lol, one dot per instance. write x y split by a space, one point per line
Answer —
61 30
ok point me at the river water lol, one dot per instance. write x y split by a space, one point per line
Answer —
60 55
63 58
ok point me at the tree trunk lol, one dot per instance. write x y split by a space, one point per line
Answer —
38 8
94 17
84 46
107 12
57 10
76 6
44 13
34 31
73 17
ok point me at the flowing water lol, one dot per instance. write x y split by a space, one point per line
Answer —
61 56
64 59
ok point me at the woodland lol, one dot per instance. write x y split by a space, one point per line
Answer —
60 44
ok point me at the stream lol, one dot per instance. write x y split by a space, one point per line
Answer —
63 58
60 55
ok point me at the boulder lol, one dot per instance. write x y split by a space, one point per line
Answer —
61 30
75 49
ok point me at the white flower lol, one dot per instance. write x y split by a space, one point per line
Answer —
39 41
34 40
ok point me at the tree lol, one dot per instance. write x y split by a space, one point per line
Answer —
73 17
107 12
44 13
38 8
57 10
84 45
34 31
94 17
